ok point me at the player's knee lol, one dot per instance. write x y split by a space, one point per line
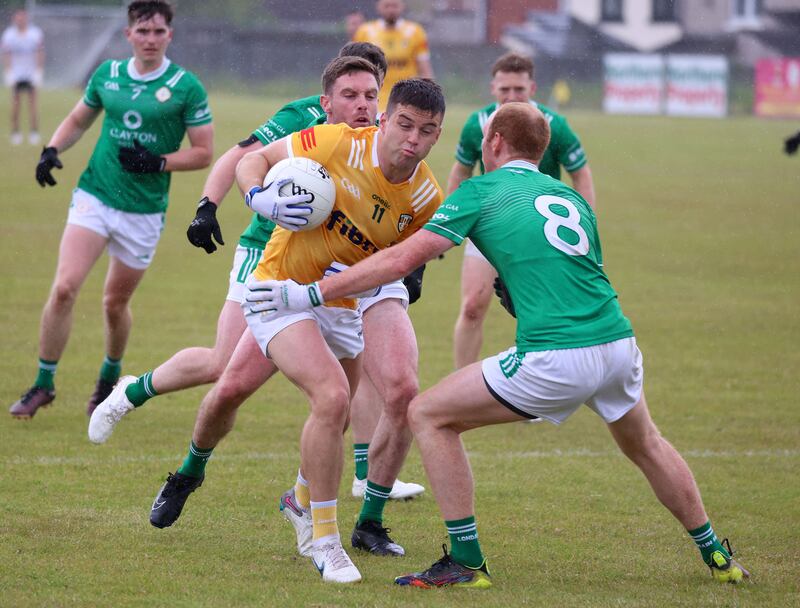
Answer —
228 393
473 309
399 393
64 294
643 446
418 416
330 405
115 305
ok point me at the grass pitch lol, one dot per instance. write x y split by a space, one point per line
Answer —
700 227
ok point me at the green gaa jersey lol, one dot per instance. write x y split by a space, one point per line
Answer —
292 117
155 111
564 150
541 236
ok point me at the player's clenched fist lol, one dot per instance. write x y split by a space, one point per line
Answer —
204 226
47 161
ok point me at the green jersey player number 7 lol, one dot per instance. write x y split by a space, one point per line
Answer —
119 204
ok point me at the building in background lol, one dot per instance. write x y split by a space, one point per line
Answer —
254 42
744 30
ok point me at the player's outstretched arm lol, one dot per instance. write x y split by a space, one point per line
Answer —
583 183
378 269
204 228
223 173
459 173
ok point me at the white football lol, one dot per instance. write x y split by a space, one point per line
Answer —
308 176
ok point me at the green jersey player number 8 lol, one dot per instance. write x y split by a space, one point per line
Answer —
555 222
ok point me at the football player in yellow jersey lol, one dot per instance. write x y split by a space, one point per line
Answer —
384 193
404 43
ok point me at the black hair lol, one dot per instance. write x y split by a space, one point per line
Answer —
421 93
142 10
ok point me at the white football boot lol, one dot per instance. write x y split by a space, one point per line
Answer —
400 490
106 415
300 518
333 563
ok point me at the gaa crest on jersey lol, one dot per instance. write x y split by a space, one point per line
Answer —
163 94
404 221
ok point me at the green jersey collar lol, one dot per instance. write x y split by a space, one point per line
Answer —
520 164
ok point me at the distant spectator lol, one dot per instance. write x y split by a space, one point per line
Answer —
23 63
404 43
353 21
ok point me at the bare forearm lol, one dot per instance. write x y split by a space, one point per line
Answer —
189 159
386 266
67 134
583 183
223 174
73 126
458 174
381 268
250 171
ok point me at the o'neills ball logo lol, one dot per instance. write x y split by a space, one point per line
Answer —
163 94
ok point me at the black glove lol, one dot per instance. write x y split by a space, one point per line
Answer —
505 298
413 283
791 144
204 226
138 159
47 161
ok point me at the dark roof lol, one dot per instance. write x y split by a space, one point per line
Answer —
720 44
564 37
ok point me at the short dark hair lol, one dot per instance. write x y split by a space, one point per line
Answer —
368 51
421 93
515 63
142 10
345 65
524 128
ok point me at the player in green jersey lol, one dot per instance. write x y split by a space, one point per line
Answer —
512 80
573 345
119 204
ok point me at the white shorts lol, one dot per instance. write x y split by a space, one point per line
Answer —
552 384
132 237
340 327
473 252
245 260
396 290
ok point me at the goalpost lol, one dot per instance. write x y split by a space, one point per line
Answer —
78 35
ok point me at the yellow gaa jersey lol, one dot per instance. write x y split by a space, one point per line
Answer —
403 45
370 213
